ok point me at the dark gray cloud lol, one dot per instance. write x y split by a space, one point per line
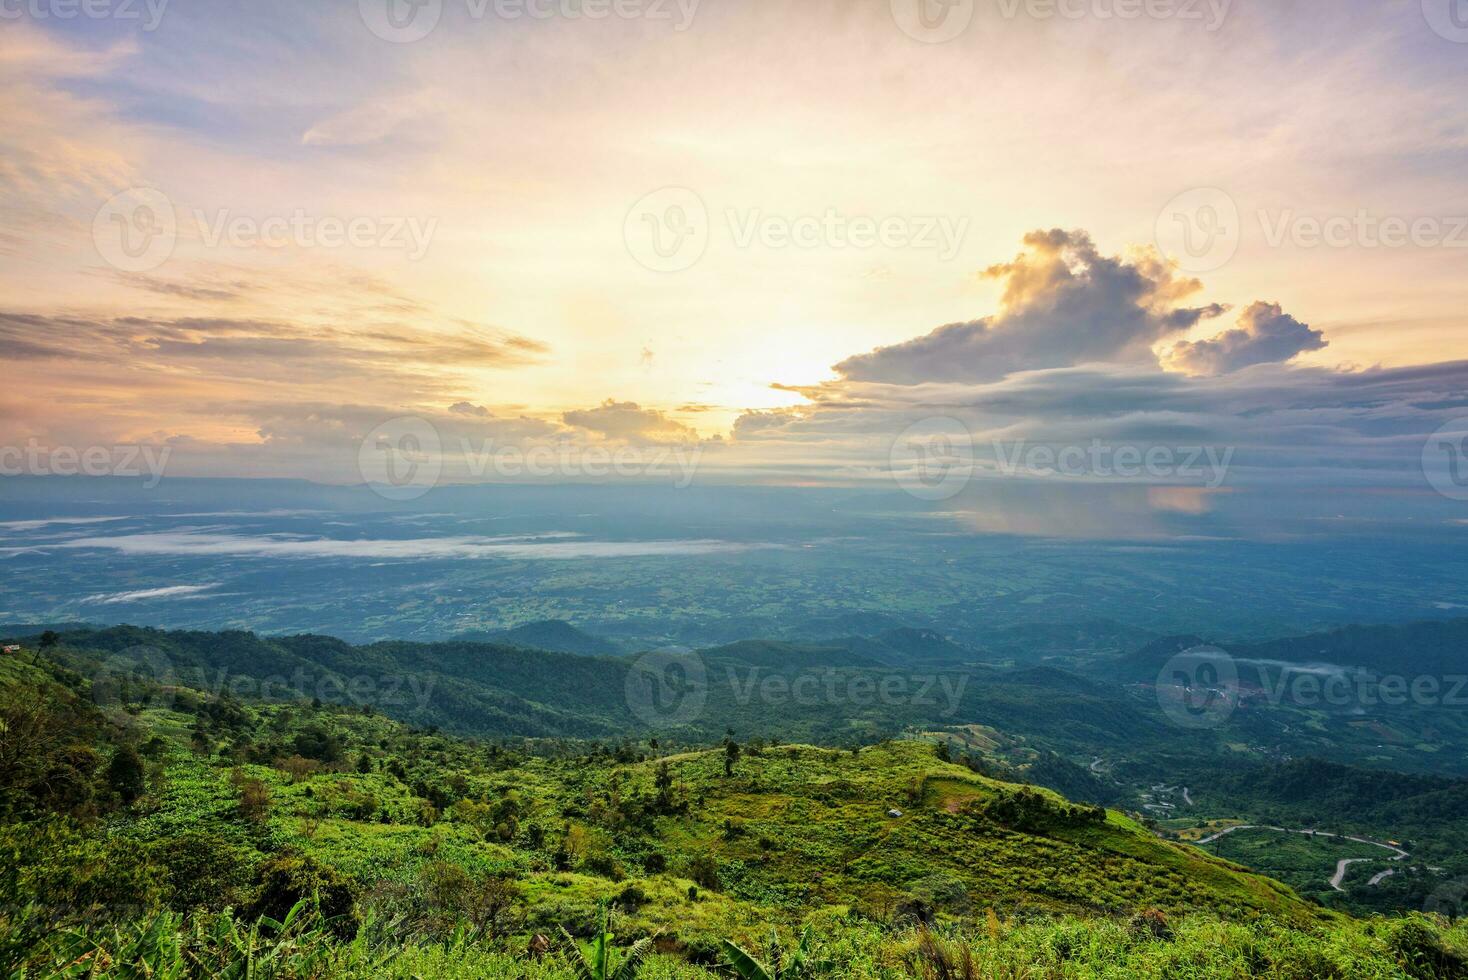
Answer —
1281 424
1265 335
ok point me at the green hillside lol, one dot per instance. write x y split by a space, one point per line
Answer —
157 823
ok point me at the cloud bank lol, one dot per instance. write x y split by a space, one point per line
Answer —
1265 335
1078 356
1064 303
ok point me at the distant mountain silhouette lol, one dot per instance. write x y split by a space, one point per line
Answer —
555 635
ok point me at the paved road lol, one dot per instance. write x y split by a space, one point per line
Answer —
1341 866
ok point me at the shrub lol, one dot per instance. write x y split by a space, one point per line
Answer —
201 870
1150 924
291 878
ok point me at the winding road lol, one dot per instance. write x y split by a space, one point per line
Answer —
1341 866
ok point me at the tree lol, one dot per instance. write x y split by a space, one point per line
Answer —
200 870
731 756
663 783
315 742
254 800
125 773
288 879
486 901
49 639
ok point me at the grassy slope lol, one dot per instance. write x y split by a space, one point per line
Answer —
794 828
811 842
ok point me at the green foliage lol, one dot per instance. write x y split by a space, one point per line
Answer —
68 871
201 870
799 963
275 852
301 944
289 880
599 960
125 773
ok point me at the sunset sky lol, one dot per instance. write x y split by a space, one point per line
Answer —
502 173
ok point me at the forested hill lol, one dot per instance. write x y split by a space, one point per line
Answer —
555 635
149 827
1432 647
839 694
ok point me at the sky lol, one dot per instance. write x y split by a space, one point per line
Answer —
811 242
